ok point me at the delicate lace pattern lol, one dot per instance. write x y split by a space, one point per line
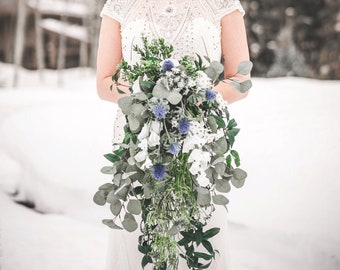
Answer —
192 26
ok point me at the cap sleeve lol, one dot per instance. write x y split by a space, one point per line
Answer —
225 7
113 9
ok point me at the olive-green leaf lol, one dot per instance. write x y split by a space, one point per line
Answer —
244 67
111 224
211 233
100 197
203 196
134 207
112 157
203 255
116 207
129 223
220 200
208 246
146 259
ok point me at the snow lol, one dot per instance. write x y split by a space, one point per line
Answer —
52 142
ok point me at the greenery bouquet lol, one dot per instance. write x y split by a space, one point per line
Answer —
176 160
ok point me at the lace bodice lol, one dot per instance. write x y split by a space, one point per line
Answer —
192 26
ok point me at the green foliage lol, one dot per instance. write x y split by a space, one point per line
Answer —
155 170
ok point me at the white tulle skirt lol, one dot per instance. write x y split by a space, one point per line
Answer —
123 253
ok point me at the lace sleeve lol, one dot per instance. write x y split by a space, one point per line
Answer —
225 7
113 9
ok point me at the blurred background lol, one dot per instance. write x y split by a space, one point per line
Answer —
54 131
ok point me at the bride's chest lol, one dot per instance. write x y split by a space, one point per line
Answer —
189 25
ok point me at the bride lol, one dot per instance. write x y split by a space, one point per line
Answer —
213 28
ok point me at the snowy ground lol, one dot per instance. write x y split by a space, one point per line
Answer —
51 145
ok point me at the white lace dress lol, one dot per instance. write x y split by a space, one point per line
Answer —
192 26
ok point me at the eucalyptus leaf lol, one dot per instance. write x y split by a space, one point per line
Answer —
220 146
105 186
220 200
220 168
140 96
111 224
160 91
100 197
116 207
212 124
137 109
134 207
107 170
211 73
217 66
148 190
125 104
239 174
134 123
203 196
236 85
219 121
245 86
111 197
237 183
122 192
174 98
117 179
244 67
129 223
222 185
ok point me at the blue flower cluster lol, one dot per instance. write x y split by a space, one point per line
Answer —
167 65
183 126
159 111
158 171
174 148
210 95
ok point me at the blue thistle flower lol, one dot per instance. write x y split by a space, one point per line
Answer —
167 65
158 171
174 148
210 95
183 126
159 111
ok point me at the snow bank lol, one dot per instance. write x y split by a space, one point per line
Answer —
52 141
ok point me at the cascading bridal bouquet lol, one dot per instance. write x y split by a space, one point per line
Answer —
176 160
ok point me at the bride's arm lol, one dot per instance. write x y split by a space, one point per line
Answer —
108 57
234 51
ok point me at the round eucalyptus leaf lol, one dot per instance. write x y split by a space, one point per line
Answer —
134 207
220 200
239 174
100 197
220 168
125 104
222 186
116 207
237 183
137 109
160 90
107 170
174 98
123 192
133 123
203 196
244 67
148 190
220 146
129 223
111 197
245 86
105 186
111 224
